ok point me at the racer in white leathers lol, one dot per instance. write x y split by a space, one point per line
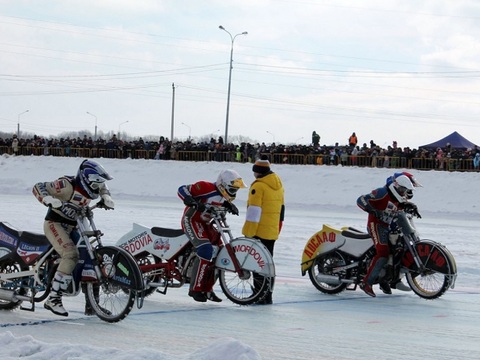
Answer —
63 197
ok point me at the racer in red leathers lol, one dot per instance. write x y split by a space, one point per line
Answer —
381 205
197 227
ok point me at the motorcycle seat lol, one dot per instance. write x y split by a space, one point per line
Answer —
37 239
170 233
355 234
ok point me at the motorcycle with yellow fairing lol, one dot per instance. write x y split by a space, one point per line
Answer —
338 259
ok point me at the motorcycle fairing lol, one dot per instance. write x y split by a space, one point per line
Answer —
250 253
163 243
321 242
351 242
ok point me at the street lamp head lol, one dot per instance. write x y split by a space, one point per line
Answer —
221 27
244 33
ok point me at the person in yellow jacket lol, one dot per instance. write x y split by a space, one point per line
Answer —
265 209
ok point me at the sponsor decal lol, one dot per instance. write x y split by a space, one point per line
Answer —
425 250
201 275
122 279
51 226
317 240
80 199
161 244
225 261
28 256
138 242
7 239
373 233
252 252
200 230
28 247
58 185
123 268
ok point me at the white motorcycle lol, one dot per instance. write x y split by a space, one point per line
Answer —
244 266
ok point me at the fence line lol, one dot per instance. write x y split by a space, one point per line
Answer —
448 164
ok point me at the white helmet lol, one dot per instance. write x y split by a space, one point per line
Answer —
414 181
402 188
228 183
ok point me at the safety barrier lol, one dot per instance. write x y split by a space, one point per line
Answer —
447 164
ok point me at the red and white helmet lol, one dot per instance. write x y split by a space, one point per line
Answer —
402 188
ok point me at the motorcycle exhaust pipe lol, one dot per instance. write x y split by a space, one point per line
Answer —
332 279
9 295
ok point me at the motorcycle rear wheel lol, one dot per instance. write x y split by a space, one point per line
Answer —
324 265
149 259
8 267
244 291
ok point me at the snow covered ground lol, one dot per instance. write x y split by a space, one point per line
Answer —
302 323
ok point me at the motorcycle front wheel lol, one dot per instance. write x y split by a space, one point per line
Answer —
438 273
245 290
110 302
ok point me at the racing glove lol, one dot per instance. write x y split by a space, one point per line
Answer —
190 201
106 202
412 209
231 208
52 202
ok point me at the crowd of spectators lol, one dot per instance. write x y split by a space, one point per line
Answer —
163 149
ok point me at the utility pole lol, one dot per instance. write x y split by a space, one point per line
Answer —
173 112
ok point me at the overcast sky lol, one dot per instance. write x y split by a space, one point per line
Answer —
399 70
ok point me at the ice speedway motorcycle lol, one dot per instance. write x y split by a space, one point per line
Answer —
338 259
109 275
243 265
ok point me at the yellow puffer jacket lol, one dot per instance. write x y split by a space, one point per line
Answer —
265 208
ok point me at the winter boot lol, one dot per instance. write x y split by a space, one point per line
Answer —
267 300
59 285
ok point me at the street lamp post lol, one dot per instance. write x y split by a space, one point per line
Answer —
95 136
119 127
189 131
18 123
232 38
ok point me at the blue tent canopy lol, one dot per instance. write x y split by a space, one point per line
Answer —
455 140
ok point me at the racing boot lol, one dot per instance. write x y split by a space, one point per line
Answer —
385 287
399 285
367 288
213 297
54 303
200 284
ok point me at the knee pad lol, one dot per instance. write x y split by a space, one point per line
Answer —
205 251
